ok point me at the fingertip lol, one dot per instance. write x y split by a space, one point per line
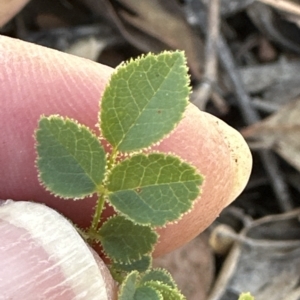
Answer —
222 156
228 152
240 156
37 80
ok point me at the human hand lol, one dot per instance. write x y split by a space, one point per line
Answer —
36 81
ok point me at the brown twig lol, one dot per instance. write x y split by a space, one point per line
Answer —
250 117
204 91
283 5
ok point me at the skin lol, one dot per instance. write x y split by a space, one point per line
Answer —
36 80
31 86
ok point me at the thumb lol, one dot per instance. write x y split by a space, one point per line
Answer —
43 257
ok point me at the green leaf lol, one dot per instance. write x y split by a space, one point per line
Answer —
144 100
246 296
123 241
130 291
153 189
128 287
71 161
147 293
140 265
160 275
166 291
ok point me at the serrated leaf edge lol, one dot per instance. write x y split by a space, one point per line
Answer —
125 281
124 264
182 161
159 283
166 272
137 60
37 156
158 293
132 261
148 253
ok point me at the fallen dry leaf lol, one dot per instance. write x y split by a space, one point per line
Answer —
280 132
157 25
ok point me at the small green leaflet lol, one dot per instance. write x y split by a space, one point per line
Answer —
123 241
153 189
71 161
147 293
140 265
130 290
144 101
246 296
128 287
165 290
158 275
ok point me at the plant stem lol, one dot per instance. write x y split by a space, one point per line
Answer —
98 211
116 276
112 159
101 198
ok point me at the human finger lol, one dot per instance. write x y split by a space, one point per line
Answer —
36 80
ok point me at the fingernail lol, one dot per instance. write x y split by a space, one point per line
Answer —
43 257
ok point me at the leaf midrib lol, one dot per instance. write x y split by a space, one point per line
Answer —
139 116
157 185
73 156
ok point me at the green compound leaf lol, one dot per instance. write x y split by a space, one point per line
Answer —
140 265
160 275
123 241
166 291
144 100
153 189
246 296
128 287
147 293
71 161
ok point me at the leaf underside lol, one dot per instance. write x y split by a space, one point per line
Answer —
144 101
123 241
71 161
153 189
